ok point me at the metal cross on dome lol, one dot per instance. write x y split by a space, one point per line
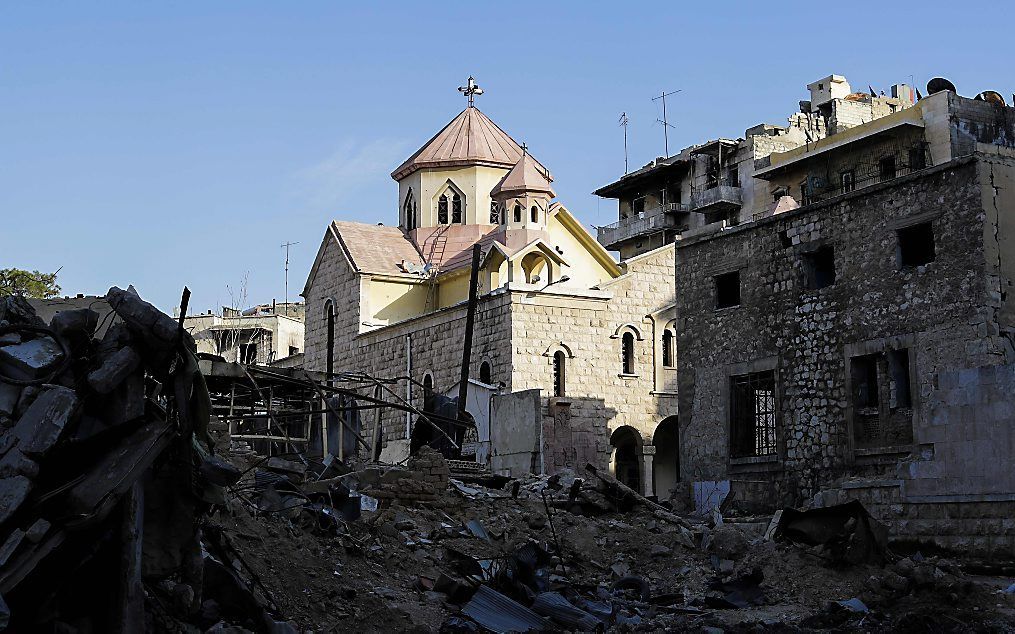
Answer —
471 90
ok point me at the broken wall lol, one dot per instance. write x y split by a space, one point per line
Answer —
939 312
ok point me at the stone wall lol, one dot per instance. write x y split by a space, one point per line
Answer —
938 312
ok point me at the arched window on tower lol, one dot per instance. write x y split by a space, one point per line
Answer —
494 212
627 353
485 373
559 371
409 211
456 210
442 210
427 392
518 213
535 213
668 361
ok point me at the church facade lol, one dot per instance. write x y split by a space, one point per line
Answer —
557 316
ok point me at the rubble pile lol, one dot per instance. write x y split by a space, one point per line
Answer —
126 506
106 471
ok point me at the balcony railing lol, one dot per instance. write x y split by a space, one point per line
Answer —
719 195
638 225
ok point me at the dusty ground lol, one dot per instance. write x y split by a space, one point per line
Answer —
366 575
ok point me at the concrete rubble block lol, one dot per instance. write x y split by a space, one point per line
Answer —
74 321
13 492
9 395
159 332
113 370
30 360
126 402
37 530
45 419
17 310
15 463
10 339
10 545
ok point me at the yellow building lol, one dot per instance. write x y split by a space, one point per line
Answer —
573 348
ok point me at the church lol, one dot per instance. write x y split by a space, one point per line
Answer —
573 357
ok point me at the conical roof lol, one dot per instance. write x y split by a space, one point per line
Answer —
470 139
526 176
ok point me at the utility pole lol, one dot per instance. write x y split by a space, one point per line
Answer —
623 124
470 321
286 245
665 121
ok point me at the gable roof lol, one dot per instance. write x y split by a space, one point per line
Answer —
526 176
376 248
471 138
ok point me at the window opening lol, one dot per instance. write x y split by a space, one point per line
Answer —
442 210
627 353
456 209
916 245
535 213
886 168
819 268
752 414
485 373
727 289
518 213
848 180
248 352
882 399
494 213
668 349
558 373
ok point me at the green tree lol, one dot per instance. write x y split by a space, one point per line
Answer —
28 283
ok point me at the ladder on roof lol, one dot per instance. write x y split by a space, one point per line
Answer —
435 257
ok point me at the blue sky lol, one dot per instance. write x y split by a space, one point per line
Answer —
164 144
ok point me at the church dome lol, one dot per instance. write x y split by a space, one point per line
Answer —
471 138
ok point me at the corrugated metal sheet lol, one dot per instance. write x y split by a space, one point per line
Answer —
502 615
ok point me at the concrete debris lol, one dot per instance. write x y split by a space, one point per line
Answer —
31 359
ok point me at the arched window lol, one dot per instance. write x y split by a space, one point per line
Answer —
558 373
535 213
456 209
427 391
329 319
494 213
518 213
485 373
668 348
442 210
627 353
409 211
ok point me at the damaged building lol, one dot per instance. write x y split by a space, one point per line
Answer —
266 334
572 358
852 337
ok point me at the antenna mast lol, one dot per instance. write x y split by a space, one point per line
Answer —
286 245
665 121
623 124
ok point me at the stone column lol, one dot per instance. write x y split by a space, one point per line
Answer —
647 484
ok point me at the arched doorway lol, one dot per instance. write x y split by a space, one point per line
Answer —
666 465
627 458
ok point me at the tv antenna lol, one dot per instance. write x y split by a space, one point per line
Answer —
286 245
623 123
665 121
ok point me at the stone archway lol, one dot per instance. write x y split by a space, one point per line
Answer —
666 465
626 462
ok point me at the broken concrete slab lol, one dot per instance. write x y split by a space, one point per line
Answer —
10 339
81 320
114 370
45 419
159 332
31 359
10 545
9 395
17 310
13 492
15 463
37 530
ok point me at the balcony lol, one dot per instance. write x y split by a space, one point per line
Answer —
714 198
642 224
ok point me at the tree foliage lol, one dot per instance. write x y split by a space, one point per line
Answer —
32 284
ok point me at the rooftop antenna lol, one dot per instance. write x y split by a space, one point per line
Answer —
286 245
623 124
470 90
665 121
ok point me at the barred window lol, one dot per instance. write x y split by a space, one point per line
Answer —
752 415
558 373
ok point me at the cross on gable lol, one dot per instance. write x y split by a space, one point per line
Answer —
471 90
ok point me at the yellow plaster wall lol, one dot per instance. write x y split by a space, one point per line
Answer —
391 301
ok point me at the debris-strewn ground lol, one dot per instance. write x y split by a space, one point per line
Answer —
388 571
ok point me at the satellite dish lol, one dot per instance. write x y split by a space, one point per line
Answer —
991 96
938 84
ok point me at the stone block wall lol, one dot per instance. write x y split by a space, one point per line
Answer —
936 311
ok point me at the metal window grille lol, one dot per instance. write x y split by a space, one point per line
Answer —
558 374
442 210
753 414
